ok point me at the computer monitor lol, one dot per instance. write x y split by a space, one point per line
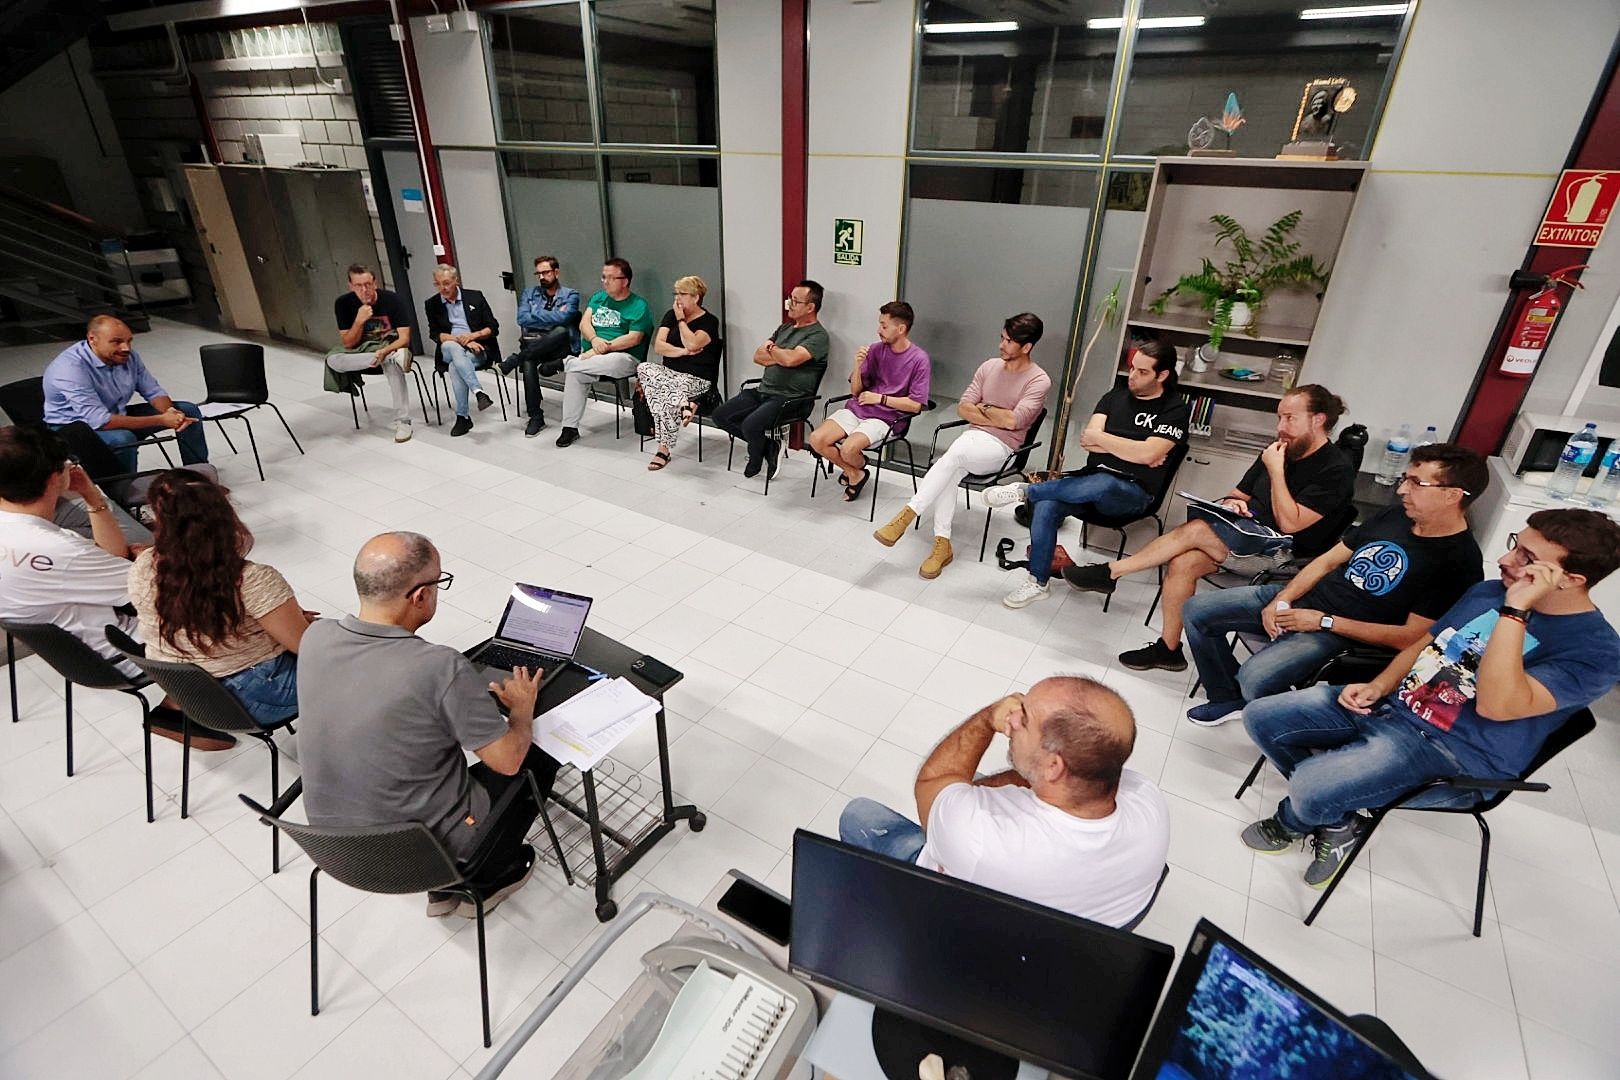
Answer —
1230 1013
1065 993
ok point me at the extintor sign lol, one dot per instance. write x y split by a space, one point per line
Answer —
1580 208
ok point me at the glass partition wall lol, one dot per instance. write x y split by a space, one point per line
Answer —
1033 132
606 116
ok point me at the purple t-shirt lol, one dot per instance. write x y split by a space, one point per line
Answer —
893 374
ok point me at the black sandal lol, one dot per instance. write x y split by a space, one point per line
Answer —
853 491
688 413
659 460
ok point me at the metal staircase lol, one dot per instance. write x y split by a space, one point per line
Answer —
57 269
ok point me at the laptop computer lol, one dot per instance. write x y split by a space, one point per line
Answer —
540 629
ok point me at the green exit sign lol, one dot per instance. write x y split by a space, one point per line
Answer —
847 237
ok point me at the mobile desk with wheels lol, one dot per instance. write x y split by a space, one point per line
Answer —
619 823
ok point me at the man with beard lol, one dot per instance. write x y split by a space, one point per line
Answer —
1298 486
1068 826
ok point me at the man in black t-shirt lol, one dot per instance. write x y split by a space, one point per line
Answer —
1300 485
374 326
1130 435
1383 584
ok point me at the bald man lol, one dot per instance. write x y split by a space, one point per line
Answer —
94 380
1067 826
386 717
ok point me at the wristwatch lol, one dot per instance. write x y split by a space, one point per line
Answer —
1327 622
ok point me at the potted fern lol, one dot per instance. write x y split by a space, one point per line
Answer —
1235 291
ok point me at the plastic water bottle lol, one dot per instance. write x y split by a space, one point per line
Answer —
1606 488
1430 436
1577 455
1397 451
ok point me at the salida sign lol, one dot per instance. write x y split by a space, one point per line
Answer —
1580 208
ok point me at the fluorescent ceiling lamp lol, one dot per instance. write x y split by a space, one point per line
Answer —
1167 22
969 27
1364 11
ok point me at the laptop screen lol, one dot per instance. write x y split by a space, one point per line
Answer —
544 619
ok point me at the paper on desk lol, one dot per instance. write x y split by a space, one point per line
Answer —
587 751
583 729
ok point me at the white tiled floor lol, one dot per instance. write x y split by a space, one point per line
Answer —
818 667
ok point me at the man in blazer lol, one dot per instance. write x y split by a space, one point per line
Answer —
460 322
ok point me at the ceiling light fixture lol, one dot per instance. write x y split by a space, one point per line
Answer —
969 27
1364 11
1166 22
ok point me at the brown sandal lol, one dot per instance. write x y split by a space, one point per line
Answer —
659 460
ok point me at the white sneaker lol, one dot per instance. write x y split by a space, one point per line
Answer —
402 431
1029 590
1005 495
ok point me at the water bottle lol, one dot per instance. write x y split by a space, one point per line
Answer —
1430 436
1572 462
1606 488
1397 451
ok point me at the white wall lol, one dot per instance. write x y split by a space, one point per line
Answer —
455 86
472 187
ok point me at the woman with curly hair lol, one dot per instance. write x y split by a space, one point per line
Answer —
201 601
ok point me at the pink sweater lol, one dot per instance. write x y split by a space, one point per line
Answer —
1024 393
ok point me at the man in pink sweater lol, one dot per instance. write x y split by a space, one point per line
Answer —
1000 404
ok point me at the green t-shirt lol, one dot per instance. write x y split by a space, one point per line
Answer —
610 318
804 380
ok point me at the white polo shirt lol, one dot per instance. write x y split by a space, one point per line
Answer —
48 574
1007 839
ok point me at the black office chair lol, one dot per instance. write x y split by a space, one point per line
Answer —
79 664
394 859
711 400
794 411
1014 465
895 439
486 361
205 700
24 402
356 380
1154 899
234 375
1487 794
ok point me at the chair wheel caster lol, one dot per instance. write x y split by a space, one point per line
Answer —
606 910
698 821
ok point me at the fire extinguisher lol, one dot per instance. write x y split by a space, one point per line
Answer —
1537 315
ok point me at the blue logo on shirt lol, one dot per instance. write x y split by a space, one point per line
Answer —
1377 567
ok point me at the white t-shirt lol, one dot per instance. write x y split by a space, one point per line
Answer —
1007 839
48 574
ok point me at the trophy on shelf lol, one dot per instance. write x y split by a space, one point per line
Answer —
1319 106
1201 136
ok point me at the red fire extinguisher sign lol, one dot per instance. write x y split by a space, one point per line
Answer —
1580 208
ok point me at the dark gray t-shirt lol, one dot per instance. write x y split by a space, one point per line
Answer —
383 719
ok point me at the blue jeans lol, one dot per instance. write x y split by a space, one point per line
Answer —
1210 616
463 364
1338 762
869 824
1053 501
123 441
268 690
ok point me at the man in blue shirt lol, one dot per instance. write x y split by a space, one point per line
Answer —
93 381
1476 696
549 315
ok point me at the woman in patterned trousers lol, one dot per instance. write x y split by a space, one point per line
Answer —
689 343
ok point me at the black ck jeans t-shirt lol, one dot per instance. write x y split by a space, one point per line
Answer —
1130 417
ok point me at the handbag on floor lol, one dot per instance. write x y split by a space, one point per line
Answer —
640 414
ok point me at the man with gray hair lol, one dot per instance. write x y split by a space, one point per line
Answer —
386 717
1068 826
463 329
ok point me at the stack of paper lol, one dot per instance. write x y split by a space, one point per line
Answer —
582 730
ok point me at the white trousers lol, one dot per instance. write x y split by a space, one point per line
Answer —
363 361
974 451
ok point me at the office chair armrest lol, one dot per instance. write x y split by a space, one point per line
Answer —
746 383
933 444
797 410
1480 783
288 797
830 402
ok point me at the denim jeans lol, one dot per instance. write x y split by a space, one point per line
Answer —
125 442
463 364
1210 616
1338 762
869 824
1055 500
268 690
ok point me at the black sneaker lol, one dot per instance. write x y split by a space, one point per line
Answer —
484 401
1330 847
550 368
569 436
535 425
510 364
773 457
752 467
462 425
522 870
1090 577
1157 655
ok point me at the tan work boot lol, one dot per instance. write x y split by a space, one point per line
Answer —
937 560
896 528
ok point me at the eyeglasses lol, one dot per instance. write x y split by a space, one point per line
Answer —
1523 555
1415 482
442 582
800 303
613 277
543 273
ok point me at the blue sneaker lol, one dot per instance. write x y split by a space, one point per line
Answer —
1215 713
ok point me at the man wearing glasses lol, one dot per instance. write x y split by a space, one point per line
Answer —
1382 584
794 359
549 315
386 716
1476 696
615 329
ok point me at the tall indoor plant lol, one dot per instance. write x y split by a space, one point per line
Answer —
1235 290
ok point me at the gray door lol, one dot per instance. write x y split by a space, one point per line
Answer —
405 188
261 243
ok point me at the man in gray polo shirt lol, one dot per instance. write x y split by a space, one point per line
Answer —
386 715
